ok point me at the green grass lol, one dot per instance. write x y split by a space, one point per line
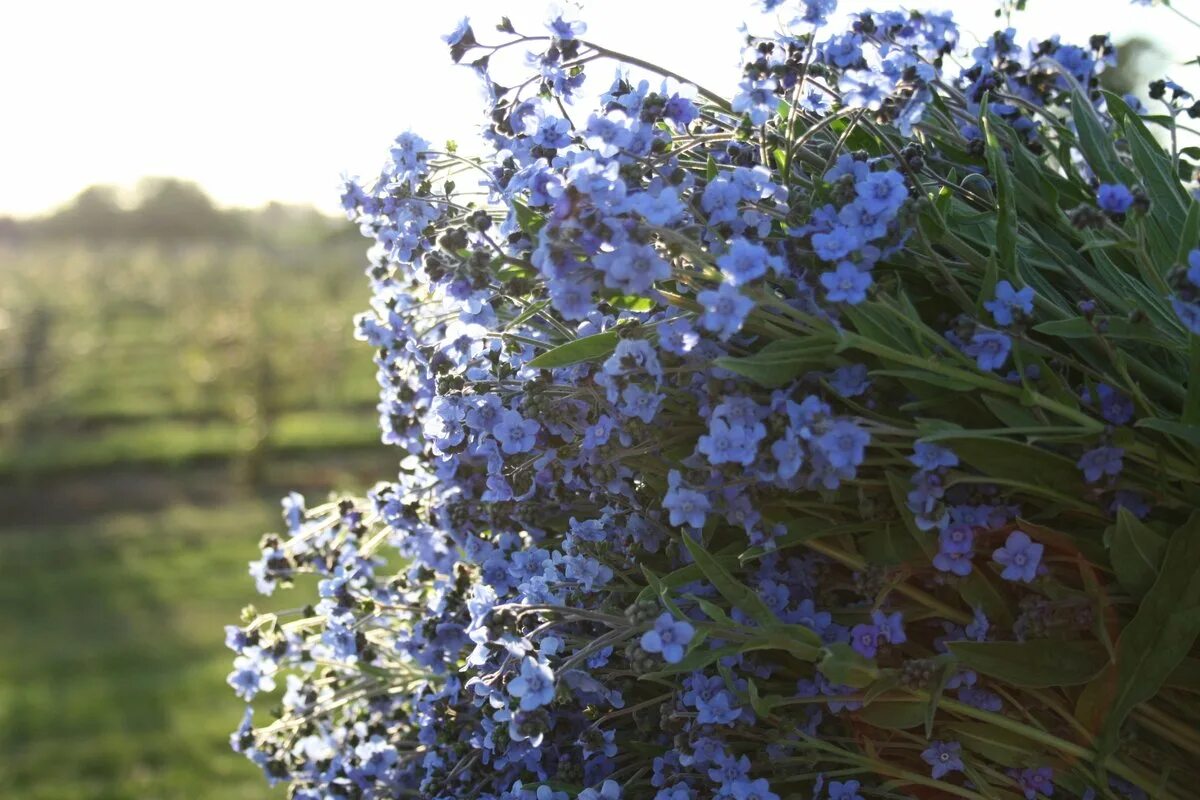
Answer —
112 662
112 673
173 442
132 354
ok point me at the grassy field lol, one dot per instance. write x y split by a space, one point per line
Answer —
134 354
112 673
147 397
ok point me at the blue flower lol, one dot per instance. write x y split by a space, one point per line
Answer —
685 506
846 284
609 790
725 308
720 200
515 433
728 444
572 297
746 789
850 380
977 629
1036 781
1193 270
990 349
865 639
865 88
1188 313
461 33
632 268
637 402
836 243
678 336
1115 406
842 51
789 455
817 11
943 757
1009 300
757 99
669 637
566 30
891 626
1101 461
534 686
882 192
844 444
609 133
1020 557
1115 198
815 101
1131 501
252 673
744 261
928 456
847 790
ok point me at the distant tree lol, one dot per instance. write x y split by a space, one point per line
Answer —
173 210
94 213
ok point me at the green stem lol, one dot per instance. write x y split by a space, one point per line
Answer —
1050 740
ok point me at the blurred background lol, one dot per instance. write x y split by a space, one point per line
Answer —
176 351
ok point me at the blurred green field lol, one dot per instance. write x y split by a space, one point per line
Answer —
155 401
120 354
112 673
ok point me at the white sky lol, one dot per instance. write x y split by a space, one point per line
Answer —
270 100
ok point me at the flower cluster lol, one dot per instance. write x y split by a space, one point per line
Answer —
738 448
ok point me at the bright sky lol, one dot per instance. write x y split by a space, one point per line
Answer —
263 100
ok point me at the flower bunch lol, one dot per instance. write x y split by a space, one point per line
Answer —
835 440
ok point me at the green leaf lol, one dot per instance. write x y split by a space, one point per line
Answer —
588 348
943 678
632 302
1116 328
893 715
1006 204
1095 142
889 544
843 665
763 706
1036 664
995 744
1136 552
711 610
803 643
525 315
1026 464
1153 165
1186 676
1189 238
736 592
888 681
1191 404
1160 635
529 220
932 378
781 361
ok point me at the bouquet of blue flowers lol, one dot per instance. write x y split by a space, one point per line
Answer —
837 440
